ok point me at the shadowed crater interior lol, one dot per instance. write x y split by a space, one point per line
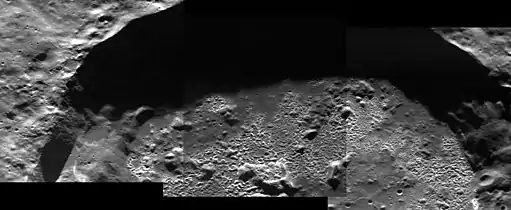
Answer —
173 58
425 67
62 138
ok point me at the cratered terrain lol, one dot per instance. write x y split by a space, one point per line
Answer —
143 91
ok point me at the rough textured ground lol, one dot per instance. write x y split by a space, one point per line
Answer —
366 142
357 141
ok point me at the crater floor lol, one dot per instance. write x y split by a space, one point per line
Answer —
360 142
